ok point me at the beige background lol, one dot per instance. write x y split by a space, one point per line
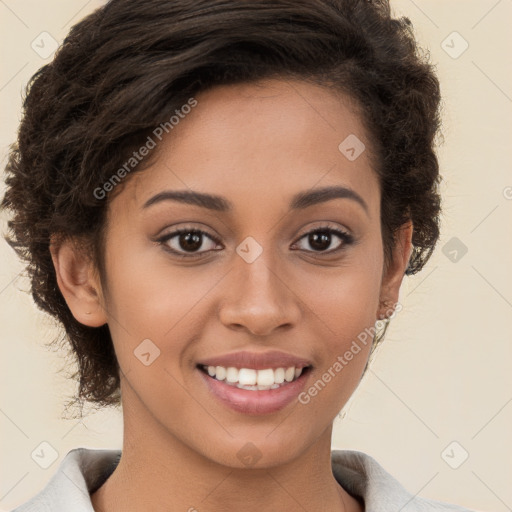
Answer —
444 372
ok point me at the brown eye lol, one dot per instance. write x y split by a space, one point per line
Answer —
321 240
190 241
183 241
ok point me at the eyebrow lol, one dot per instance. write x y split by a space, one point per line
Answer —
299 201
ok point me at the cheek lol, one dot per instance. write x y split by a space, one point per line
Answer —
151 298
343 307
345 298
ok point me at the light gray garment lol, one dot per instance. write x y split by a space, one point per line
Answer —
84 470
361 475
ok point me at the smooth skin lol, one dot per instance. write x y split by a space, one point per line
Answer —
257 145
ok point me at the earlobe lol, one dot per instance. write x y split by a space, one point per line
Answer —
78 282
393 275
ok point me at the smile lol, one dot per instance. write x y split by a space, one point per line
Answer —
252 379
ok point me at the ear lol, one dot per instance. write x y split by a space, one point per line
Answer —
394 273
78 282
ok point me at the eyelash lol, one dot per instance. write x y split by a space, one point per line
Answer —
347 239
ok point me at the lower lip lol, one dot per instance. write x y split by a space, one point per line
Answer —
255 402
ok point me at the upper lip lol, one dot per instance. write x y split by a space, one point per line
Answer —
257 360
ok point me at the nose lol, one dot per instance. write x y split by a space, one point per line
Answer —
259 299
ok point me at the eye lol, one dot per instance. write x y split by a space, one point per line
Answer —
322 239
194 242
186 242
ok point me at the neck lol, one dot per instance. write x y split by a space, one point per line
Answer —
159 472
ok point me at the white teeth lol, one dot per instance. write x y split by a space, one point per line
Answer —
248 378
289 374
279 375
220 373
266 377
232 374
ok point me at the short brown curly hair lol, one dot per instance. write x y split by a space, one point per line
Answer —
126 68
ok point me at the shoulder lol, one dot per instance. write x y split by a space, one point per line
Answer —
362 476
80 472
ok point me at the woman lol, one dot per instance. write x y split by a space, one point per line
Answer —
219 200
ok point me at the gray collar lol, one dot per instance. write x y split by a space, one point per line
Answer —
84 470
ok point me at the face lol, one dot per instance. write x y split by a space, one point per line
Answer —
266 275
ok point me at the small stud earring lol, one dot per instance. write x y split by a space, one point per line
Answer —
387 304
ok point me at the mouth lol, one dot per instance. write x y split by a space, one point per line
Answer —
252 379
252 391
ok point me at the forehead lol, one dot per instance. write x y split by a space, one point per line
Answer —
266 140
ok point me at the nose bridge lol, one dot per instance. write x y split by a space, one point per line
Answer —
258 277
258 299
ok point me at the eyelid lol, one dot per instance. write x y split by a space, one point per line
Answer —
172 231
163 239
326 225
342 233
345 235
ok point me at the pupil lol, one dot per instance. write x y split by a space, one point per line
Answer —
320 240
190 241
